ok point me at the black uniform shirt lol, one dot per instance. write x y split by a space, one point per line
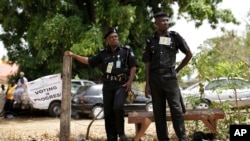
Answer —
163 56
106 56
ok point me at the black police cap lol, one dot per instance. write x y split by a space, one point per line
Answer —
109 31
160 14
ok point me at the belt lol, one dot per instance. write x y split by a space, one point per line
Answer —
162 71
118 78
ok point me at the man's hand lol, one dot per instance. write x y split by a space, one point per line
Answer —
68 53
128 85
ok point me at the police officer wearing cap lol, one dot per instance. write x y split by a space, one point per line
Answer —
118 65
161 80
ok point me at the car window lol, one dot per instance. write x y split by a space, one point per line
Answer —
92 91
194 87
75 86
76 83
87 83
82 89
215 84
240 84
227 84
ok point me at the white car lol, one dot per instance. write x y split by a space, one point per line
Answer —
219 90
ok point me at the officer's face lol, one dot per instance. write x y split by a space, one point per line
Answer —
161 23
112 39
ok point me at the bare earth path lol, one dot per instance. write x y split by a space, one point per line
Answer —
47 129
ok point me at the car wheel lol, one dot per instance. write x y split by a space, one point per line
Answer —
149 107
96 112
204 104
55 109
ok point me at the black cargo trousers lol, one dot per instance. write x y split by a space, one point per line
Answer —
165 87
114 97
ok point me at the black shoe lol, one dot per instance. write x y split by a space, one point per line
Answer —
123 138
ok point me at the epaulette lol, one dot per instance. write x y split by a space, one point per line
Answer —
173 33
126 46
103 49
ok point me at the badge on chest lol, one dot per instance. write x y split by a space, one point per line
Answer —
165 41
111 65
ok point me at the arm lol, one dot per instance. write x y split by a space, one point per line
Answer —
79 58
188 56
182 45
128 84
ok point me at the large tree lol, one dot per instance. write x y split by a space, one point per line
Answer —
36 33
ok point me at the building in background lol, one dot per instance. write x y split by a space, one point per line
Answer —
7 70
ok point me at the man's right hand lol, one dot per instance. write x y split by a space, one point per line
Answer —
68 53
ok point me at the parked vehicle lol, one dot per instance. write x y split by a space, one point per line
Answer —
89 100
219 90
76 83
45 93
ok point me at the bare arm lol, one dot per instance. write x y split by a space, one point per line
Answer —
79 58
128 84
184 61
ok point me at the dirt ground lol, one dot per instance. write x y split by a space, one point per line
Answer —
48 129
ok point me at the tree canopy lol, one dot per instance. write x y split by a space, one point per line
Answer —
37 33
224 56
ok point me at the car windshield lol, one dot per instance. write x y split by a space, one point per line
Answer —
82 88
93 91
227 84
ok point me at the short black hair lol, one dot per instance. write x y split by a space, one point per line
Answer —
160 14
109 31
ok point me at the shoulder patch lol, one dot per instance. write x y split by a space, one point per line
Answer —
173 32
126 46
103 49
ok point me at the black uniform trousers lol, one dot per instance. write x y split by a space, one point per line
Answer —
114 97
8 107
165 87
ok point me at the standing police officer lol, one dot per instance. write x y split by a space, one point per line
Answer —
161 80
118 65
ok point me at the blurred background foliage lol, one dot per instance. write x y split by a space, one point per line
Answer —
37 33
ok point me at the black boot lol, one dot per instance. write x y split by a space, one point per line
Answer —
123 138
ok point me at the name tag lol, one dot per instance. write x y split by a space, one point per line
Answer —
118 64
109 67
165 41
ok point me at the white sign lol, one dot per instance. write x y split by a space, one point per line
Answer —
44 90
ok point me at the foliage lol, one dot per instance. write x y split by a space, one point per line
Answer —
225 56
37 33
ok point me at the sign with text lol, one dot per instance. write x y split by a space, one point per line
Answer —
44 90
238 132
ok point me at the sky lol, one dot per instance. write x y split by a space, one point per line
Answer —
196 36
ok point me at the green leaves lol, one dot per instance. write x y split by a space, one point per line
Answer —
90 43
226 57
40 31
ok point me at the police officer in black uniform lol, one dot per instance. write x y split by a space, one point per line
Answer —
118 65
161 80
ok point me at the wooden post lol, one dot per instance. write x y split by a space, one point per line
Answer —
65 115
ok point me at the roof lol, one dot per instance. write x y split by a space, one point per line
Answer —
7 70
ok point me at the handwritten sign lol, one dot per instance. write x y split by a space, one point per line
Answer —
44 90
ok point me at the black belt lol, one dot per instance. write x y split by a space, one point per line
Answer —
118 78
163 71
